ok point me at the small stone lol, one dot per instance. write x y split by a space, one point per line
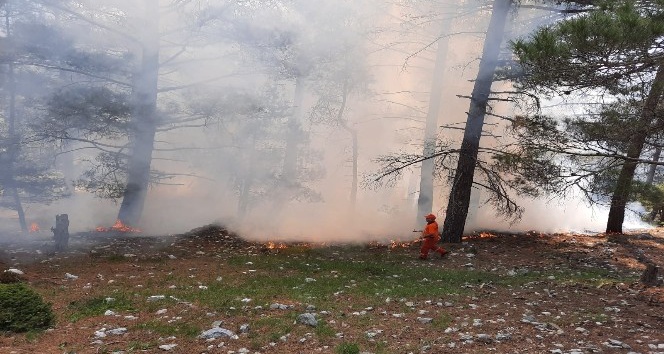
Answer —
425 320
109 313
167 347
70 276
156 297
161 312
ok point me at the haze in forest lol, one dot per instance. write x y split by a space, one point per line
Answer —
232 66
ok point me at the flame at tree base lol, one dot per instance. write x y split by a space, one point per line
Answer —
34 227
119 226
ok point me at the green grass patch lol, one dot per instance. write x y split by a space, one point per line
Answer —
170 329
347 348
141 346
96 306
314 279
442 322
586 276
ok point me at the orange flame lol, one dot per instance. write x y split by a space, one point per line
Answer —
34 227
401 244
271 245
118 226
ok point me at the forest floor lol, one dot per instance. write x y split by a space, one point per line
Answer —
208 291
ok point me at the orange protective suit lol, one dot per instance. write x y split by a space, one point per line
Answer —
430 238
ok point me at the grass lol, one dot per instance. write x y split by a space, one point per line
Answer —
290 277
339 280
96 306
347 348
179 329
587 276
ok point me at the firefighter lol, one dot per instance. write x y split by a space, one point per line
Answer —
430 238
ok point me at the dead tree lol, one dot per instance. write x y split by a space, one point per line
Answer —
61 232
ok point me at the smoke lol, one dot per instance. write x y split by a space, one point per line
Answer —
227 81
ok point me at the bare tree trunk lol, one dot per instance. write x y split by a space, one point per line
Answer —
61 232
247 181
353 134
13 150
425 196
653 168
293 135
636 143
457 205
144 120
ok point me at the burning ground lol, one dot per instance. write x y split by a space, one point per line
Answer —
209 291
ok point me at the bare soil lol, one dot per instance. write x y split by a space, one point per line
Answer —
544 315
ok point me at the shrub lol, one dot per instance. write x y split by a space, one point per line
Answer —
22 309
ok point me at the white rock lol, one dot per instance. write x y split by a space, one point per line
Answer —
161 312
156 297
70 276
217 332
15 271
109 313
167 347
117 331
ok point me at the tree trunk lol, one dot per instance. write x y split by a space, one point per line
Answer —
61 232
247 181
457 205
144 120
653 168
637 141
13 150
293 135
355 152
425 196
649 275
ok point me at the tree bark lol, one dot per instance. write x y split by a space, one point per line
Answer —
425 196
637 142
653 168
457 205
61 232
144 120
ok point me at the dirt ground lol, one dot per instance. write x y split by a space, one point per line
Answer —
545 315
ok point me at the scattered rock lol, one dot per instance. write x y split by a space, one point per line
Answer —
167 347
307 319
217 332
